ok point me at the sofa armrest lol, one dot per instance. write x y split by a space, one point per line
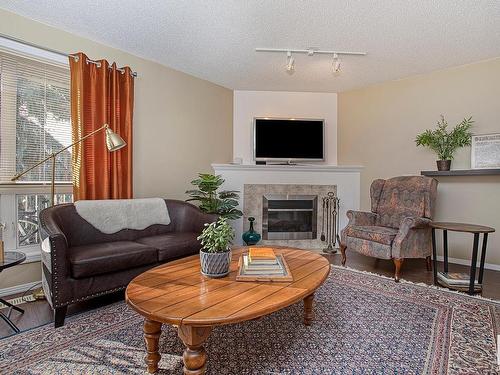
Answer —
59 266
361 217
200 219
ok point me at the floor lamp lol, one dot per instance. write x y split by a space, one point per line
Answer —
113 142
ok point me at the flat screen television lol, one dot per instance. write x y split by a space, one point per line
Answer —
289 140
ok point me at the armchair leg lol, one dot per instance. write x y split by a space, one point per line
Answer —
398 262
59 316
342 253
429 263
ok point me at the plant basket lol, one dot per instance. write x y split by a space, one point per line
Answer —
215 265
443 165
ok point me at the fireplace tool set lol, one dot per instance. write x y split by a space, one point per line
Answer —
330 223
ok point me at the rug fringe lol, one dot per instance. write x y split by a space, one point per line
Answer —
403 281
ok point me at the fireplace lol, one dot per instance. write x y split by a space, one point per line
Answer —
289 217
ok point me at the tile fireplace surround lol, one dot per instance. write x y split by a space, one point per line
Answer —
300 180
253 199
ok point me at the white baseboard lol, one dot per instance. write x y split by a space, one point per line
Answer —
32 257
18 288
466 262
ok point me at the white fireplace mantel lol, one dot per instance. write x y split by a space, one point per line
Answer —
346 178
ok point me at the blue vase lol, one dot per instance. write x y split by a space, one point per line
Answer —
251 237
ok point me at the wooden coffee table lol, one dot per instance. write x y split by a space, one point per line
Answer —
177 294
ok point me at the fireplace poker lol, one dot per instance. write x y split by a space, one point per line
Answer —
322 238
330 203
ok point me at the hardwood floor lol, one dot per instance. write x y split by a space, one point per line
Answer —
39 312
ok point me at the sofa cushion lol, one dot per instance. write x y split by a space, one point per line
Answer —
108 257
383 235
173 245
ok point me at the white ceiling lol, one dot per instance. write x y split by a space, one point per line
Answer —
216 39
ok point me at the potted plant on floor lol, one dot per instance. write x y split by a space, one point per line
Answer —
215 254
445 143
223 203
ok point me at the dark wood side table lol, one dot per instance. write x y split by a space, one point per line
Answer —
465 228
11 259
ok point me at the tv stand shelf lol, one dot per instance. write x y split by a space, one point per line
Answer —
462 172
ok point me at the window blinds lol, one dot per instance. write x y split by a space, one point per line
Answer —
34 118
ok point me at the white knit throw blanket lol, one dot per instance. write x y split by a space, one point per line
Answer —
112 215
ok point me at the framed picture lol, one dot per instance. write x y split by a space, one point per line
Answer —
485 151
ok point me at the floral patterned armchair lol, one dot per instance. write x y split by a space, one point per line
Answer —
397 226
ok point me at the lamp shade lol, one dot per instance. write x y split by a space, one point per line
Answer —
113 141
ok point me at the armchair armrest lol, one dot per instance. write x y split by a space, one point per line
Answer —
409 236
413 223
361 217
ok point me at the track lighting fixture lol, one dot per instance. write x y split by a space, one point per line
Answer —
336 64
290 63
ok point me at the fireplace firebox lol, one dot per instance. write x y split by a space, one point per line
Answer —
289 217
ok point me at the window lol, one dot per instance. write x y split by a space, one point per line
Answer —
34 118
28 211
34 122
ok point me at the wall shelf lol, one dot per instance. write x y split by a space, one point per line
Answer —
462 172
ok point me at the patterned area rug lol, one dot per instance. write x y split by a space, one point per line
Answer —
365 324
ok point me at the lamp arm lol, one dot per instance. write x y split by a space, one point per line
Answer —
54 154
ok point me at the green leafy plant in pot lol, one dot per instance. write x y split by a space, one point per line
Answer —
213 201
445 143
215 254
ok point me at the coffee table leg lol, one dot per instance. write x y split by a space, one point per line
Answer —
152 332
308 309
195 356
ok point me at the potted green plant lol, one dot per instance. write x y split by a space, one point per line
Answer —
215 254
445 143
213 201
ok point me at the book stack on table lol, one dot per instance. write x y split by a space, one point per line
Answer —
261 263
458 281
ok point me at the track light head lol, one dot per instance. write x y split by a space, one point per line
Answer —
290 63
336 64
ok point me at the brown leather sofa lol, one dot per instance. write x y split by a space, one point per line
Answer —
83 262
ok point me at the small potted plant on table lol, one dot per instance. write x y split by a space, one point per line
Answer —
215 254
445 143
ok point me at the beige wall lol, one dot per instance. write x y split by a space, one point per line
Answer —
377 126
182 124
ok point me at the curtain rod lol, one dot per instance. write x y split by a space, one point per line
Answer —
14 39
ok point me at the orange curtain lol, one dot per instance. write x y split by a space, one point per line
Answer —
101 94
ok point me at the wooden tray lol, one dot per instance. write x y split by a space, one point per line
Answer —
287 277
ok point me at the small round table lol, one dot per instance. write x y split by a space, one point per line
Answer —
11 259
465 228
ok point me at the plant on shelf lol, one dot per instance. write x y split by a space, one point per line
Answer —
215 254
213 201
445 143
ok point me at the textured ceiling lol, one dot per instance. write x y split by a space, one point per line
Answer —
216 39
